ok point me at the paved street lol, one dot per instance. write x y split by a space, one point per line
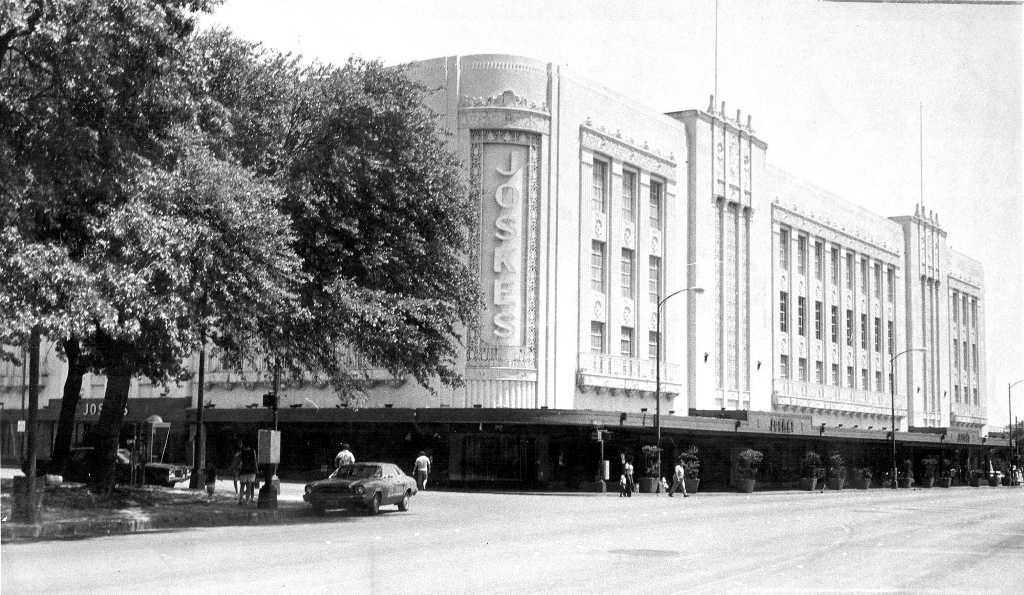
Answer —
948 540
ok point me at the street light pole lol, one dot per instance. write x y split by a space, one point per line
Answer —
892 393
657 370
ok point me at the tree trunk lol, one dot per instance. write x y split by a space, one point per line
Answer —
105 435
68 406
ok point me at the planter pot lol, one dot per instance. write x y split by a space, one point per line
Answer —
648 485
691 485
975 482
808 483
928 482
862 484
836 483
945 482
993 482
746 486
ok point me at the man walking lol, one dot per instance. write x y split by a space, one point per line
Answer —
678 480
421 469
344 456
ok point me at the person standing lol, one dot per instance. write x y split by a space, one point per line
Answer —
344 456
236 464
247 475
678 480
628 472
211 480
421 470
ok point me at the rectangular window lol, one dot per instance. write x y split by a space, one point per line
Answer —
878 280
864 379
956 393
892 337
975 396
965 310
784 366
835 267
801 254
629 195
891 284
597 337
956 354
863 331
627 273
864 275
657 192
652 345
784 249
956 307
801 307
878 381
835 374
597 266
784 311
849 377
802 363
819 372
974 356
818 322
819 256
849 328
878 335
974 313
966 358
849 271
835 324
600 183
654 279
626 342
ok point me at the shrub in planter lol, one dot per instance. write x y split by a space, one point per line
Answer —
862 478
747 461
651 475
836 471
690 460
930 464
811 470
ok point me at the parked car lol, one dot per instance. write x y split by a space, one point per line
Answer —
363 485
162 474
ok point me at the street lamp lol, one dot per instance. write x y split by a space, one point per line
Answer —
657 369
1009 419
892 392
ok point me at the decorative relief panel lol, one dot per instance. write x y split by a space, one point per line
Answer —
616 147
599 226
865 241
599 309
504 111
656 243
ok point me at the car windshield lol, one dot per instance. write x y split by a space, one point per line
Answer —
357 471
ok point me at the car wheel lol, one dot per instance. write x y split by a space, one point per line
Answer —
374 506
403 505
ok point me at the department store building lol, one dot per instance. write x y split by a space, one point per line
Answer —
592 209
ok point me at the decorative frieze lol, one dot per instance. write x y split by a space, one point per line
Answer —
627 150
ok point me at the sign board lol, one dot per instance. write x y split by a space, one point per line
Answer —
21 425
269 447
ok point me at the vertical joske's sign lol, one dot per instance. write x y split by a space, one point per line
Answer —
503 241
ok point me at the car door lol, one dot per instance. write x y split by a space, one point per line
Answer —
388 481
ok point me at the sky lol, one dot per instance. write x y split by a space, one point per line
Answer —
841 92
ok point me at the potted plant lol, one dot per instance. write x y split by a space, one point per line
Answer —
862 478
907 479
650 479
811 470
930 464
691 469
836 471
946 474
747 461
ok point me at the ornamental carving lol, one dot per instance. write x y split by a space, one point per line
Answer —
655 246
508 98
597 139
627 314
598 310
627 235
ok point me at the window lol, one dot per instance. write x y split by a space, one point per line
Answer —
956 307
849 376
878 335
956 393
891 284
783 311
597 337
819 372
652 345
864 275
835 374
974 313
801 254
784 366
599 200
657 192
597 266
819 255
966 357
801 306
835 324
892 337
629 195
863 331
784 249
627 273
849 328
878 381
835 266
965 309
878 280
802 365
974 356
975 396
956 354
626 342
864 379
654 279
818 322
849 270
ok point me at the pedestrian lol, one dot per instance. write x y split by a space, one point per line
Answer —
236 463
628 472
622 486
678 479
344 456
421 469
247 475
211 480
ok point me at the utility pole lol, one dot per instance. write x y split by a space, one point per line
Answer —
199 448
26 500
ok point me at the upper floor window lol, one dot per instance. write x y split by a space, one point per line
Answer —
629 195
863 331
956 354
626 342
956 392
849 377
849 328
878 381
627 273
653 343
975 396
597 266
784 249
801 307
864 275
600 190
657 200
784 311
878 280
784 366
849 270
819 257
878 334
802 368
892 337
654 279
974 313
819 372
818 322
835 324
835 266
801 254
891 284
597 337
965 308
966 357
956 307
974 356
864 379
